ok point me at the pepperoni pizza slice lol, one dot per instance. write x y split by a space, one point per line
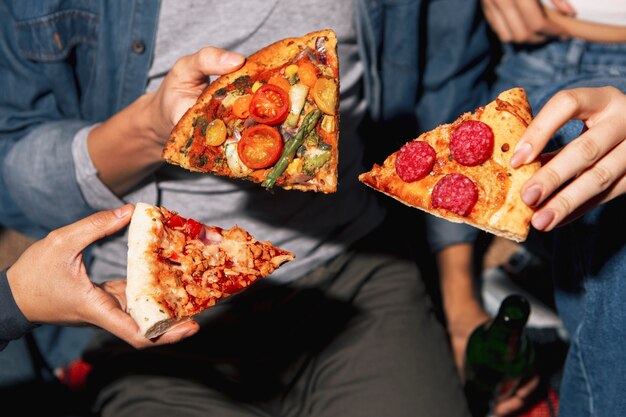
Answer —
178 267
275 121
461 171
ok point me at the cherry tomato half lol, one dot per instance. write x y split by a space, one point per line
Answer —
325 95
241 107
215 133
260 146
270 105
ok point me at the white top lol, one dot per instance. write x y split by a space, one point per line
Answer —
608 12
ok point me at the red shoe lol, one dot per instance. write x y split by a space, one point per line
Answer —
74 375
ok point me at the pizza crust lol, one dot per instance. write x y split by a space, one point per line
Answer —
141 293
499 209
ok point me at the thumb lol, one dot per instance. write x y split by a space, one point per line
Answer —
207 61
84 232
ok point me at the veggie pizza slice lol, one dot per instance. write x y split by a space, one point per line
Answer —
275 121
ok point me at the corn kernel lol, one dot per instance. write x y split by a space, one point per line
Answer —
291 70
256 86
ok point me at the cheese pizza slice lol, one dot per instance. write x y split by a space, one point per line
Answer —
461 172
275 121
178 267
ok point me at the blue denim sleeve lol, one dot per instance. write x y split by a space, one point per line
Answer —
456 63
13 324
443 233
39 173
40 113
95 192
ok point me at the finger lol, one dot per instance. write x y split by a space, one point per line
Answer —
115 320
508 406
207 61
615 190
527 388
562 107
496 21
605 181
564 7
575 158
120 324
536 22
116 288
534 19
514 20
519 399
84 232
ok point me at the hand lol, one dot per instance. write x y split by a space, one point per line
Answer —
460 328
128 147
585 173
185 82
50 284
523 21
518 399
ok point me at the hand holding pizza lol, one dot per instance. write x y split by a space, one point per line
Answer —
50 284
588 171
127 147
185 82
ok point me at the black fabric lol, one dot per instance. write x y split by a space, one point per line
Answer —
13 324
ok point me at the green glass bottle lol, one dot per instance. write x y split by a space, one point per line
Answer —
498 356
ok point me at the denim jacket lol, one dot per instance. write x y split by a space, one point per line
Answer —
65 65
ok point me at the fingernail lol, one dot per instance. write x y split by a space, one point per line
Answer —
520 154
231 59
542 219
122 211
531 195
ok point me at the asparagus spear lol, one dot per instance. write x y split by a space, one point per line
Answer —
292 145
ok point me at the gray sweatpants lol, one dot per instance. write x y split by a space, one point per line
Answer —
357 337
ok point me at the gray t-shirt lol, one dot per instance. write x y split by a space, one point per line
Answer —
316 227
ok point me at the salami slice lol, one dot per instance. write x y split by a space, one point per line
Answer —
471 143
415 160
456 193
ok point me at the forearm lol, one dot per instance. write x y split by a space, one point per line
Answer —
456 280
126 148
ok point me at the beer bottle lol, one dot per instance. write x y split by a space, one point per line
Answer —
497 356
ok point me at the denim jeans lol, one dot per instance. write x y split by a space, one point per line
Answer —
588 255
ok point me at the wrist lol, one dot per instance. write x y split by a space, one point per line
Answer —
150 124
16 292
127 148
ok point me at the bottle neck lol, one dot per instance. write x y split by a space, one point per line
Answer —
507 332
